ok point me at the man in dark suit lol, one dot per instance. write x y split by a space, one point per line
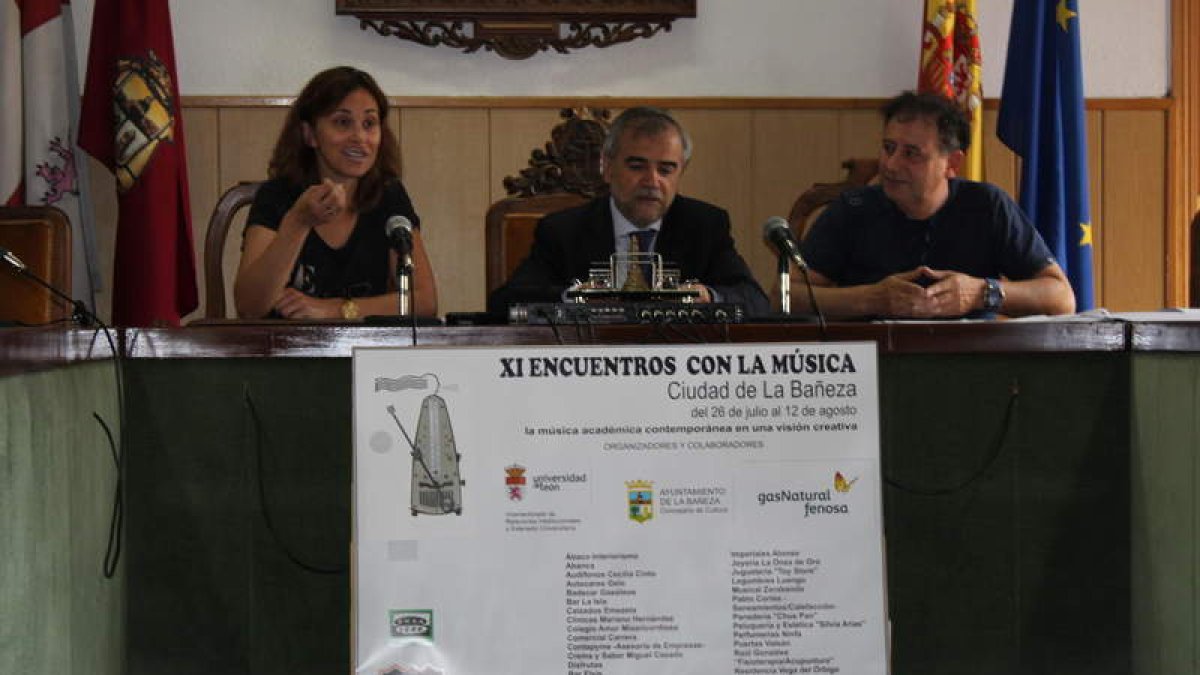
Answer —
644 156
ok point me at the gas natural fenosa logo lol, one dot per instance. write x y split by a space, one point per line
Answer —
815 502
841 484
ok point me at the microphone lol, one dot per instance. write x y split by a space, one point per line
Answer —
778 233
12 259
79 311
399 233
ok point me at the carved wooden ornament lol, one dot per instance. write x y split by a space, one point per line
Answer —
517 29
570 162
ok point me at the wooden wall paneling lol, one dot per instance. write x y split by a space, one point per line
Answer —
247 136
671 102
244 140
859 133
721 169
999 163
204 188
104 208
1134 184
792 150
446 155
1183 190
491 142
513 136
1095 139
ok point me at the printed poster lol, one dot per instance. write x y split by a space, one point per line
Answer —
618 510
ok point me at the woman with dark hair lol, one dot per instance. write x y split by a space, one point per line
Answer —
315 245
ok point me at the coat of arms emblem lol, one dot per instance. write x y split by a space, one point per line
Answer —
514 480
641 500
144 115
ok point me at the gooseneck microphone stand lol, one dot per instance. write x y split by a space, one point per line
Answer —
404 270
80 313
85 318
784 270
399 231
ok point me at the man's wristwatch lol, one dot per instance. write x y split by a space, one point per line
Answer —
993 295
349 309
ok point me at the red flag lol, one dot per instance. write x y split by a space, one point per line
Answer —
131 122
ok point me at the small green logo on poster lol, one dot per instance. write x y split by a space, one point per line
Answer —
411 623
641 500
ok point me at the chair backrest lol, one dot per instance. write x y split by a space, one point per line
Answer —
565 173
859 172
510 225
41 237
219 224
1194 271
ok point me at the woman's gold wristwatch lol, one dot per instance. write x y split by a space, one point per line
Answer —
349 309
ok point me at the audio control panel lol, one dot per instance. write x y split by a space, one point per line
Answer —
626 312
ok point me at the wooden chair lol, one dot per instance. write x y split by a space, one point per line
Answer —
565 174
234 199
859 172
510 225
1194 270
41 237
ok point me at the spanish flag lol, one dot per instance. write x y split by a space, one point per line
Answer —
952 65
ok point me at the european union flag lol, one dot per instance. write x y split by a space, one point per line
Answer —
1041 119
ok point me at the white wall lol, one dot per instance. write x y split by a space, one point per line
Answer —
805 48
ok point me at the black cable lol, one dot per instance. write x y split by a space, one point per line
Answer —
591 329
697 330
116 523
260 441
725 336
412 307
674 333
988 461
116 527
84 317
812 301
652 329
549 317
582 327
671 327
658 328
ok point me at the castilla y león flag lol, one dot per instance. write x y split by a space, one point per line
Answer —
39 164
131 122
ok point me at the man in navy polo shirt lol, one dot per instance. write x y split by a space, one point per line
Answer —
924 243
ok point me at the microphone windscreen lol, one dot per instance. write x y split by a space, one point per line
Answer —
775 226
397 223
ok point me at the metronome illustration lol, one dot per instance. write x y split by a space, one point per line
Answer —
436 476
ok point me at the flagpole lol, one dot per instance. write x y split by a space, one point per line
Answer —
88 262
